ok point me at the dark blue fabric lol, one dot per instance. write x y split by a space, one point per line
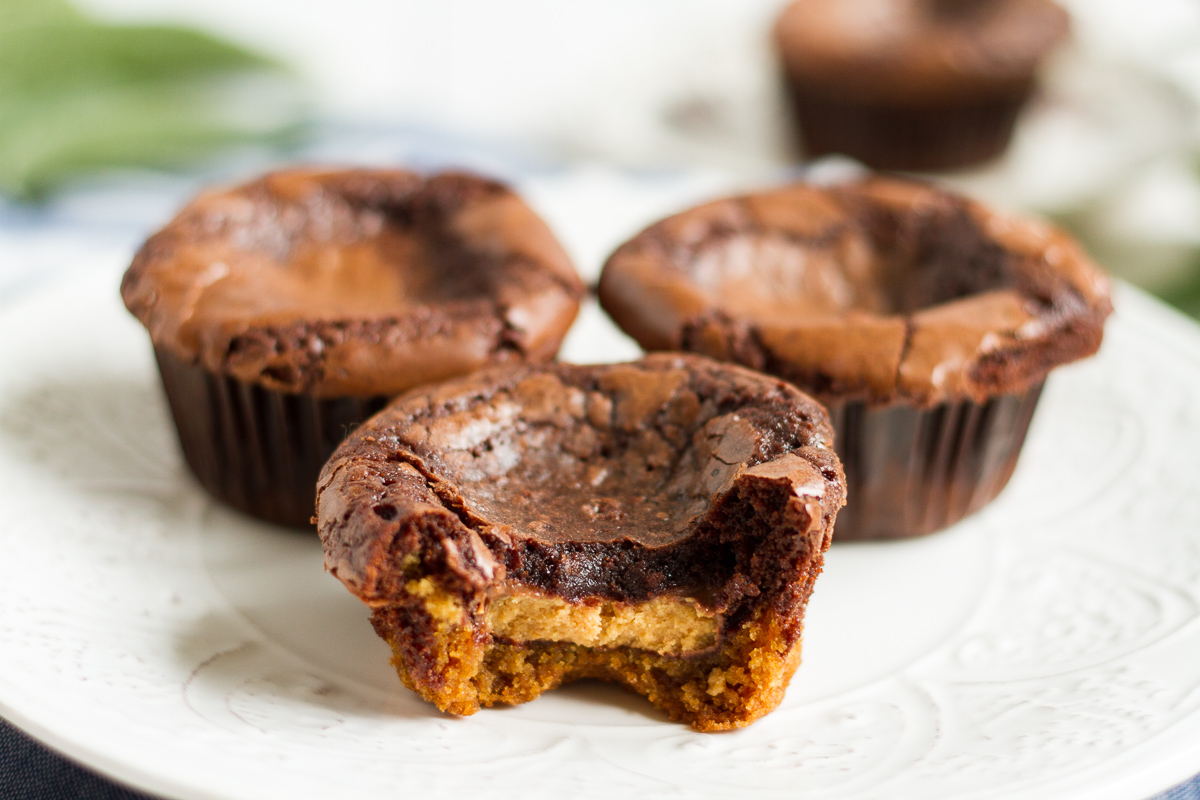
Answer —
29 771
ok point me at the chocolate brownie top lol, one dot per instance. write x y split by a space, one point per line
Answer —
880 290
354 282
621 480
909 51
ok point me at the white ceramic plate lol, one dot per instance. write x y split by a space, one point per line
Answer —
1046 648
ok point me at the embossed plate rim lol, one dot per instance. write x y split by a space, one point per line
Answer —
1177 746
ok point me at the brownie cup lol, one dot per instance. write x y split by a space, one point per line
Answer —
913 84
926 322
285 311
658 524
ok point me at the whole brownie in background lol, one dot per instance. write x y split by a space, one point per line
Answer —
926 322
285 311
658 524
913 84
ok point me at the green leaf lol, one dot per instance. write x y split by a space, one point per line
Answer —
46 141
35 12
76 95
50 57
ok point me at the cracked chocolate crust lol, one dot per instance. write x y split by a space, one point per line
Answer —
355 282
880 291
673 476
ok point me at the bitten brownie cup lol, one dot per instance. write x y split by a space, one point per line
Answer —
658 524
285 311
913 84
924 321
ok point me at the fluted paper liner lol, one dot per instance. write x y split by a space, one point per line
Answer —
256 449
912 471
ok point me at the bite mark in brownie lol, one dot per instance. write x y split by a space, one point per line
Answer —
658 524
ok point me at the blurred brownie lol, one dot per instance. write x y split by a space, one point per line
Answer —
658 524
913 84
285 311
925 321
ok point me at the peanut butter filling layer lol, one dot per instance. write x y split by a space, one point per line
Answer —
663 625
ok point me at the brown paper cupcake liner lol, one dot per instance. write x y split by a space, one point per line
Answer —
906 137
913 471
258 450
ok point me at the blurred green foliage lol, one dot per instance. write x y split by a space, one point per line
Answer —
78 95
1185 293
